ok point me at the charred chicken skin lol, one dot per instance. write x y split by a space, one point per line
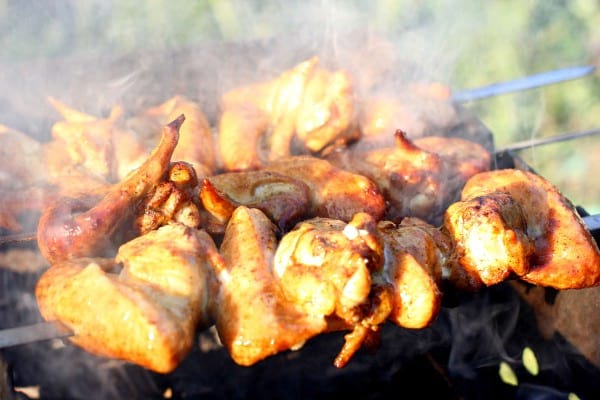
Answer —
537 232
144 306
416 182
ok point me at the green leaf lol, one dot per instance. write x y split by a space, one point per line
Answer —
507 374
530 361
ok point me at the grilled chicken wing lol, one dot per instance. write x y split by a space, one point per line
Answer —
541 236
247 123
330 268
415 256
144 306
253 317
334 193
416 182
304 110
324 264
83 227
282 198
89 149
490 232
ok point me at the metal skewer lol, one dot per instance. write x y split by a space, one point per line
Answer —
526 144
17 238
33 333
520 84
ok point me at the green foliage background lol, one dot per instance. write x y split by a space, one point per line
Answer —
482 42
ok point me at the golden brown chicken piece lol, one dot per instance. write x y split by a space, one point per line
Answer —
329 268
245 123
196 143
171 201
411 179
88 153
305 110
144 306
415 182
84 227
253 318
334 193
282 198
564 254
415 256
324 265
490 233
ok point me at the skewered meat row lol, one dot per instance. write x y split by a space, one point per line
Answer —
362 304
267 295
325 236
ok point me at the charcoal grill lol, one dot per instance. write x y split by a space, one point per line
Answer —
456 358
